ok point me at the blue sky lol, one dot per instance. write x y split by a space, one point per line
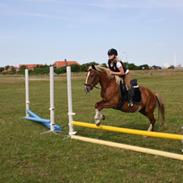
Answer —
42 31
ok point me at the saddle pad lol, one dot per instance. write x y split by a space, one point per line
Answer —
137 95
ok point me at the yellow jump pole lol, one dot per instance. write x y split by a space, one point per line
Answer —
129 131
130 147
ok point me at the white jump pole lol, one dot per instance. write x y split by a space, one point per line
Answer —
130 147
27 101
52 107
69 96
48 123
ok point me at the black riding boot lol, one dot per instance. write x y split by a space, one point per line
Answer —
130 97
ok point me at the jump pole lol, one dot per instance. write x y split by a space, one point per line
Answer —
129 147
69 97
27 100
108 143
52 107
129 131
49 123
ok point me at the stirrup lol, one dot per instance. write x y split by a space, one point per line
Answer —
130 104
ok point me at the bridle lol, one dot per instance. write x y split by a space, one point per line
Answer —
91 86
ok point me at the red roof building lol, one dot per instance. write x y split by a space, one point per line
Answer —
30 66
60 64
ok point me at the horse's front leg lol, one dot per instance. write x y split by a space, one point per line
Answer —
98 115
98 107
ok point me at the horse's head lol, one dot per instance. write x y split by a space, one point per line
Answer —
92 78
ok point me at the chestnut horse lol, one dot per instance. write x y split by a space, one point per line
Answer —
110 94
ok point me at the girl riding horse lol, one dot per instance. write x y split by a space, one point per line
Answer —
111 96
118 68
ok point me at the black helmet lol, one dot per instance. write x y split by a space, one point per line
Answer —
112 51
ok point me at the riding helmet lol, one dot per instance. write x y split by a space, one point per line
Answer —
112 51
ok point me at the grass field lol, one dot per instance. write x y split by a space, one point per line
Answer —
26 155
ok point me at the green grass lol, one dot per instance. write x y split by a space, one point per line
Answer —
26 155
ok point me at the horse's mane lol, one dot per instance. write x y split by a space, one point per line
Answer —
101 68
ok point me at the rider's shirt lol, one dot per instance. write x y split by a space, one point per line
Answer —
115 65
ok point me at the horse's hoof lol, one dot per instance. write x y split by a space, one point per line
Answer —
97 123
103 117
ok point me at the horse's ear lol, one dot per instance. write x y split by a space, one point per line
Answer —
93 67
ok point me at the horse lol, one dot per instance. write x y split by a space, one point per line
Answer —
111 96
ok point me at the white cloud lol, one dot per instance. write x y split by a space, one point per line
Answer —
41 15
108 4
81 11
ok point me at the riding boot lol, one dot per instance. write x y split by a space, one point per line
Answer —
130 97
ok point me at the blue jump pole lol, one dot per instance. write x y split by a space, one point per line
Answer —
44 122
32 114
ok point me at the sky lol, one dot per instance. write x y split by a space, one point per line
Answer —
43 31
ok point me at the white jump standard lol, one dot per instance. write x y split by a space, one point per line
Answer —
69 97
117 129
48 123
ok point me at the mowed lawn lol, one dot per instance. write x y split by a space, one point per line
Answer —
27 155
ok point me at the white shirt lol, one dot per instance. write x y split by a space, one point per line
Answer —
118 65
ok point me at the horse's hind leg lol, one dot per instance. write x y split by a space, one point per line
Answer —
151 118
152 121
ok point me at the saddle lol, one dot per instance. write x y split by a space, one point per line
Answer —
124 93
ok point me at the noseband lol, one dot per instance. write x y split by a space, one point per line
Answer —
91 86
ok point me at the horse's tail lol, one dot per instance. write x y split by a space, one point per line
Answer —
161 108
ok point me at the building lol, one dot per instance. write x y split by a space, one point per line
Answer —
64 63
30 66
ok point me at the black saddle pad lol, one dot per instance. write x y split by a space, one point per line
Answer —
136 93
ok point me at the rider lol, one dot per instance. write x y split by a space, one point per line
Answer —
118 68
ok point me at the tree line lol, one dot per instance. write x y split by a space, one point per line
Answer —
44 69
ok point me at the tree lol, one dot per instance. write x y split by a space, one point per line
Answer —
171 67
21 69
156 67
6 67
1 69
144 67
12 70
132 66
84 67
75 68
41 69
60 70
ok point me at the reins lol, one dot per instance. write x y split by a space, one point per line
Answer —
93 86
